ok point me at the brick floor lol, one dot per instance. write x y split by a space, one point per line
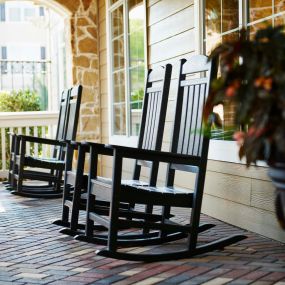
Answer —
32 251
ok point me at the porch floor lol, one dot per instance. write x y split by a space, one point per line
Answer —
32 251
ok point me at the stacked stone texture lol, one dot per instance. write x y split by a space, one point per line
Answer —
84 44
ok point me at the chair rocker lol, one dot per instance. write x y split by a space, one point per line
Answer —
150 137
66 131
188 153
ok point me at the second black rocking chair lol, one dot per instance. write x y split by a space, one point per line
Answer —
150 137
188 153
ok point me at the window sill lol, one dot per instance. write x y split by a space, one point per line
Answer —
227 151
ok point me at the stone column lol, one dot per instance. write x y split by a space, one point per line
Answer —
84 45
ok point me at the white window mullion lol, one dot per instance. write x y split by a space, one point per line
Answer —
110 71
243 13
127 64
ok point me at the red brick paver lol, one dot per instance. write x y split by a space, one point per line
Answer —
32 251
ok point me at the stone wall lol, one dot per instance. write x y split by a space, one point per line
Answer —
84 45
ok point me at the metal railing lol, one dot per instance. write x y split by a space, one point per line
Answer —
39 124
23 74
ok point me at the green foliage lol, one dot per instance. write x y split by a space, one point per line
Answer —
18 101
136 40
137 99
253 78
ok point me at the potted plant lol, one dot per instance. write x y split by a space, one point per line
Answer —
252 77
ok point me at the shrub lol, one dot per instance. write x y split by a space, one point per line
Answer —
19 101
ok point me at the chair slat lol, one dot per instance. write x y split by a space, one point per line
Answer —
193 134
196 64
157 121
153 89
194 81
188 125
154 121
157 74
183 117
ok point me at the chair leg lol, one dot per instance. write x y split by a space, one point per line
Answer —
148 210
76 199
10 174
20 178
115 202
165 215
10 183
21 167
11 162
65 209
15 167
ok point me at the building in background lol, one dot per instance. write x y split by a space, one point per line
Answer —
32 54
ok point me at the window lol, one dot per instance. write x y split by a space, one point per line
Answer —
21 11
4 60
15 14
2 12
29 13
222 21
127 49
41 11
43 57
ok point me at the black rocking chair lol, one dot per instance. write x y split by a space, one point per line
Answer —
15 144
189 152
66 131
150 137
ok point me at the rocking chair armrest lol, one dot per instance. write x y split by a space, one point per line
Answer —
76 145
98 148
41 140
156 156
70 143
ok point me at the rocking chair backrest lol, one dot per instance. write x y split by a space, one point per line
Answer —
73 112
187 137
62 115
153 113
61 124
68 118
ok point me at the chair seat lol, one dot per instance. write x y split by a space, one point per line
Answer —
49 163
169 196
123 182
103 186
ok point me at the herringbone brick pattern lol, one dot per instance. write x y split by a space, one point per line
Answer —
32 251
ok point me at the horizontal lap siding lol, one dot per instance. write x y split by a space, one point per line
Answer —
233 193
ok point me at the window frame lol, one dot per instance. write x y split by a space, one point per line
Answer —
218 149
126 140
22 8
221 150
